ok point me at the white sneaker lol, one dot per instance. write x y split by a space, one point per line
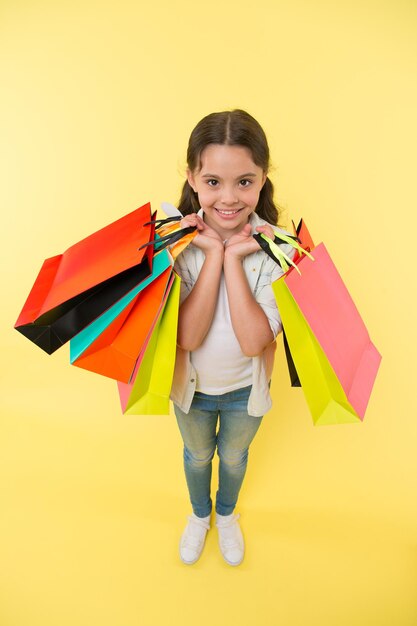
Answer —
193 538
231 541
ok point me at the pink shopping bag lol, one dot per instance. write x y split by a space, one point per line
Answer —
330 312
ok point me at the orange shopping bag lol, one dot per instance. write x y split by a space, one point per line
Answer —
116 350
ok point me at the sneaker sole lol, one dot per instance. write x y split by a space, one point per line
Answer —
232 563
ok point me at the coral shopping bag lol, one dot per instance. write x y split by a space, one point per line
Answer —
334 356
149 391
74 288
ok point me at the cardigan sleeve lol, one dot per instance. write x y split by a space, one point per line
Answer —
183 267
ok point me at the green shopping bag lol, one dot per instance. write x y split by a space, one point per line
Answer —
148 393
324 393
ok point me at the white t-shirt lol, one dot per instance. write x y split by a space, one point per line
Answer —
219 361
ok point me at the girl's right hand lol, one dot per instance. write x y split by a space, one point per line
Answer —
207 239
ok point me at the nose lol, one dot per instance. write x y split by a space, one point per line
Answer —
229 196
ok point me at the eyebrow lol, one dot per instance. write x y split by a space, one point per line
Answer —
249 174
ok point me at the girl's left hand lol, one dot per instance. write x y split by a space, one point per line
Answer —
241 244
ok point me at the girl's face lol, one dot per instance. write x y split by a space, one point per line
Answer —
228 187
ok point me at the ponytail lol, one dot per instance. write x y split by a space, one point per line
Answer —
189 200
266 208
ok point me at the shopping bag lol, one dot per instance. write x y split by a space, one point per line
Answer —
336 361
303 235
149 391
292 370
74 288
170 231
170 235
115 351
98 337
306 242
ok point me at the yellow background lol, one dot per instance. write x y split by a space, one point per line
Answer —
97 103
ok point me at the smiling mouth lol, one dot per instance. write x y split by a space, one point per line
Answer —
235 212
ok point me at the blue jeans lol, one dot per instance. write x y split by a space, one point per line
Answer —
236 431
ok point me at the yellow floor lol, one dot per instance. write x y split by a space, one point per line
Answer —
93 505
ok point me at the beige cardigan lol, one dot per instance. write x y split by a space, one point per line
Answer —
260 271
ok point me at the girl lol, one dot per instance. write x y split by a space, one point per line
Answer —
228 319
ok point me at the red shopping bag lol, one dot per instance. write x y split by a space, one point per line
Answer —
75 287
303 235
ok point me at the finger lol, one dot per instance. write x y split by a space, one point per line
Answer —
189 220
266 230
199 223
246 231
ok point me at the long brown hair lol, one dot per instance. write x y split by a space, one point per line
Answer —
232 128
